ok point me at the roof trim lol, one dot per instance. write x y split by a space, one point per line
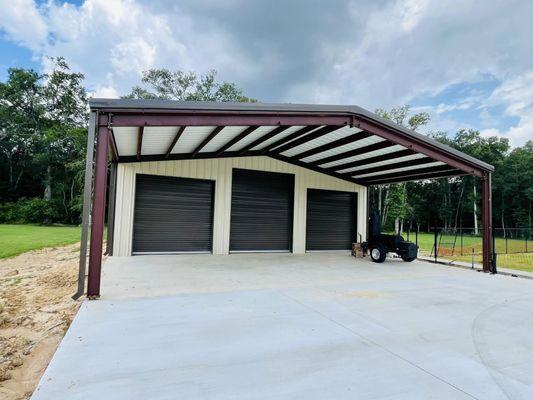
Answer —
170 106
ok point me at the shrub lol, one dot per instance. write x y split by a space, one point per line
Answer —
35 210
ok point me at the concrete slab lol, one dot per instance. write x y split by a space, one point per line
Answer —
281 326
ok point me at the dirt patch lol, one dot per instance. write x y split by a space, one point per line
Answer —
35 311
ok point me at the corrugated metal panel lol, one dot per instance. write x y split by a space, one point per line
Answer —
223 137
156 139
317 109
347 147
279 136
191 138
172 215
261 211
331 220
388 162
392 170
387 150
221 170
262 130
327 138
126 139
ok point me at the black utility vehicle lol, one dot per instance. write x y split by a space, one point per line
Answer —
379 244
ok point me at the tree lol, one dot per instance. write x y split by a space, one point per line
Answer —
42 132
164 84
396 205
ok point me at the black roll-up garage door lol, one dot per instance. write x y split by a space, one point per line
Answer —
331 220
261 211
172 215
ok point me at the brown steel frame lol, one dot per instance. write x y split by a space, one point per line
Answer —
142 118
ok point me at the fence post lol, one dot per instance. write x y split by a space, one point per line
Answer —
416 235
494 268
436 247
461 233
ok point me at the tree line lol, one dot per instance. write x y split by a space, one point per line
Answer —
454 203
43 123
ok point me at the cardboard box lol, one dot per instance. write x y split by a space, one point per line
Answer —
357 250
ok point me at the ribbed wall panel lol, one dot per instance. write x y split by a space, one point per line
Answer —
220 170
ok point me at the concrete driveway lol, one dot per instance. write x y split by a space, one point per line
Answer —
282 326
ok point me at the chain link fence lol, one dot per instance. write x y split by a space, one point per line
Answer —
513 246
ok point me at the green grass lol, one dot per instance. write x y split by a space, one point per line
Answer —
17 239
520 261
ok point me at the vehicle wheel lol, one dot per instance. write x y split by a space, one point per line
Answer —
408 259
378 253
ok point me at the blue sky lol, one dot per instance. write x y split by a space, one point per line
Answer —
469 65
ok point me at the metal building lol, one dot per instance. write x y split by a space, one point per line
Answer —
246 177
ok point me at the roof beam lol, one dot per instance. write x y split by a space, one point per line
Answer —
267 136
408 178
372 160
175 140
344 116
331 145
236 139
229 118
356 152
302 164
387 167
419 144
140 141
206 140
182 156
307 138
412 172
288 138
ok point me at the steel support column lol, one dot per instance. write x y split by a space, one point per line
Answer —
111 207
98 212
486 210
86 205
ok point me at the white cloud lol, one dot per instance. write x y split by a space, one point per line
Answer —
407 48
412 48
112 41
375 54
105 92
516 94
23 23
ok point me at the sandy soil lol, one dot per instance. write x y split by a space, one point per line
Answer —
35 312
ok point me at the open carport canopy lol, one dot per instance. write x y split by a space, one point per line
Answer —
347 142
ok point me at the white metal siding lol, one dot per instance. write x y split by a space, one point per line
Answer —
220 170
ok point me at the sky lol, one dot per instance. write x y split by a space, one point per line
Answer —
468 63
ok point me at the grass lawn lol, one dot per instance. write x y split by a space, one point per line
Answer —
17 239
521 260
